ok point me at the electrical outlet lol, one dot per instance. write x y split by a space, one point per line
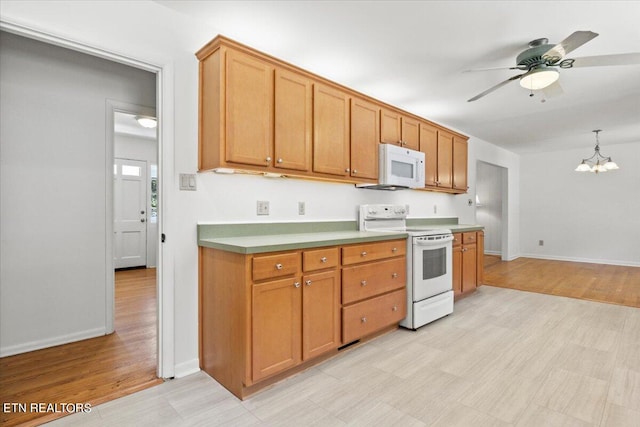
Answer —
262 207
301 208
540 242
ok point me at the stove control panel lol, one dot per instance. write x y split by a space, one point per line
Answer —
384 211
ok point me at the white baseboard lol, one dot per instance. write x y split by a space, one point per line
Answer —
51 342
486 252
187 368
585 260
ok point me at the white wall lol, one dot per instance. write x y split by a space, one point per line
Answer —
582 216
54 177
140 148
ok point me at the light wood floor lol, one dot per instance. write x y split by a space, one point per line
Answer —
595 282
503 358
94 370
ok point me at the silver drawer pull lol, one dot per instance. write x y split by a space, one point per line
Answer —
394 250
296 284
394 275
363 283
364 253
308 282
395 308
363 320
278 266
323 259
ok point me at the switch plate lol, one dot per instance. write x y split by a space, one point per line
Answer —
188 182
301 208
262 207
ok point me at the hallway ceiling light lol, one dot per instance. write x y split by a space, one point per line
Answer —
147 122
597 163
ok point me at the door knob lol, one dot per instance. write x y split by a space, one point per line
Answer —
142 212
141 219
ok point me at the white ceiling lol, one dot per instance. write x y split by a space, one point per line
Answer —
411 54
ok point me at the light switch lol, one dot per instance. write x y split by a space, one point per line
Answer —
188 182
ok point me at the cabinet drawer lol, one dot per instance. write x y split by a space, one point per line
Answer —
469 237
373 251
279 265
367 317
368 280
320 259
457 239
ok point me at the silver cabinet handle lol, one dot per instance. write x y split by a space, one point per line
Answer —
268 159
394 250
296 284
323 259
395 308
280 160
308 282
355 171
363 320
364 253
278 266
363 283
394 275
347 170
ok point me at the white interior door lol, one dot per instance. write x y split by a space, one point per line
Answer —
130 213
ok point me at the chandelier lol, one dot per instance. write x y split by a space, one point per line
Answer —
597 163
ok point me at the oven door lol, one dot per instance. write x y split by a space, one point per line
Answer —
432 268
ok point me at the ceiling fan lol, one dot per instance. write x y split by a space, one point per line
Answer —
542 60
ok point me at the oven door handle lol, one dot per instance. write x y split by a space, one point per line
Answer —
434 242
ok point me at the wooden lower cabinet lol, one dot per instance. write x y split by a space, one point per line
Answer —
276 327
264 316
468 257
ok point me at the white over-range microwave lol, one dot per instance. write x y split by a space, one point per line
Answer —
399 168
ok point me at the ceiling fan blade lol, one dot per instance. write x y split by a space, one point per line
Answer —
493 69
498 86
552 90
601 60
569 44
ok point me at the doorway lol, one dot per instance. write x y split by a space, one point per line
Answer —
491 207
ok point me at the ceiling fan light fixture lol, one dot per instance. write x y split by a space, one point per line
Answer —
539 78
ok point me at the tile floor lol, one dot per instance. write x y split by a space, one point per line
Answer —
504 358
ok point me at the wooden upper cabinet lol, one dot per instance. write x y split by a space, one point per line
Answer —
365 134
399 130
410 133
293 121
390 127
459 163
330 131
249 110
429 146
445 160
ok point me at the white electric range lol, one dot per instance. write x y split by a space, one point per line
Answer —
429 263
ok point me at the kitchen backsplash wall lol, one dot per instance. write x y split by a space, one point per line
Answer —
233 198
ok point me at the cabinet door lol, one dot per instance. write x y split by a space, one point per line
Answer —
330 131
445 160
410 130
457 270
249 110
429 146
469 254
459 163
276 327
389 127
480 258
293 121
365 134
320 313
